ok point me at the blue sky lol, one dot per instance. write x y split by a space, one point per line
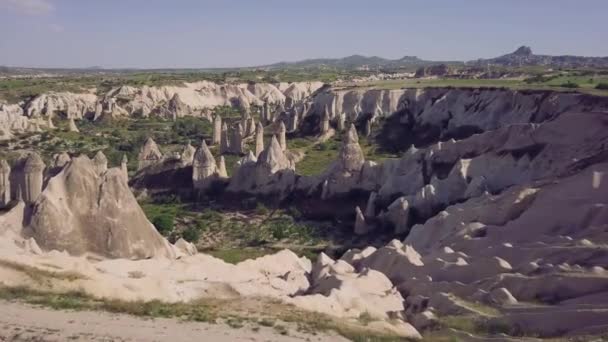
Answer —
221 33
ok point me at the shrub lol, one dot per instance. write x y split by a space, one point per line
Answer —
602 86
569 84
192 234
163 223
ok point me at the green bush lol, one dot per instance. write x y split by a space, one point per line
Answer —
602 86
163 223
569 84
192 234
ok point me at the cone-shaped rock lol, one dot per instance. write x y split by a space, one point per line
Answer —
148 154
351 157
221 168
273 157
61 159
80 211
101 162
5 183
32 178
282 138
259 139
217 130
224 140
188 154
204 167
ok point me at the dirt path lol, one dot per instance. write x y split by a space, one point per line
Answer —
22 322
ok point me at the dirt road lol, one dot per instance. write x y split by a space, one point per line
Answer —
23 322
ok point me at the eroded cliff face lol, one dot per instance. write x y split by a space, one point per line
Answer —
431 114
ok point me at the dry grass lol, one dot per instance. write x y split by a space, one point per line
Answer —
234 313
40 275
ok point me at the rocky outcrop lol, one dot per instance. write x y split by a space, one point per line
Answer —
149 154
217 130
100 162
259 139
282 138
5 183
81 211
271 173
455 111
204 168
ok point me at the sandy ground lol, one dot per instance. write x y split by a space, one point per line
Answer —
22 322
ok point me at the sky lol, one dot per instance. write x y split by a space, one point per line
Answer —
230 33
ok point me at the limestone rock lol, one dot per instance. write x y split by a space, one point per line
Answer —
217 130
80 211
32 178
187 155
72 126
351 156
361 227
224 139
60 160
5 183
502 296
259 139
204 168
124 168
100 162
282 139
149 154
221 168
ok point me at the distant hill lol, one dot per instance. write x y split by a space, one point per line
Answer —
351 63
524 56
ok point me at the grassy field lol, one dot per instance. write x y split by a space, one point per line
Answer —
584 84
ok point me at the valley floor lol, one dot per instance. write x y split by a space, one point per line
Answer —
24 322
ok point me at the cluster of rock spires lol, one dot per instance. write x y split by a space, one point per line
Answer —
79 205
503 202
172 102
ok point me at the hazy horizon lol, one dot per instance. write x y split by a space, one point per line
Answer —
158 34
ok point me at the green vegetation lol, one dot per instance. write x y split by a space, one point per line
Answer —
602 86
569 84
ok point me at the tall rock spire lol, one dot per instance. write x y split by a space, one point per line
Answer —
259 139
282 138
5 183
351 157
217 130
224 139
33 177
204 167
148 154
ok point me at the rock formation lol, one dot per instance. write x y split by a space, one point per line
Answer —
204 168
271 173
81 211
124 168
60 160
72 126
100 162
282 138
32 178
259 139
324 122
236 141
187 155
217 130
149 154
5 183
224 140
221 168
